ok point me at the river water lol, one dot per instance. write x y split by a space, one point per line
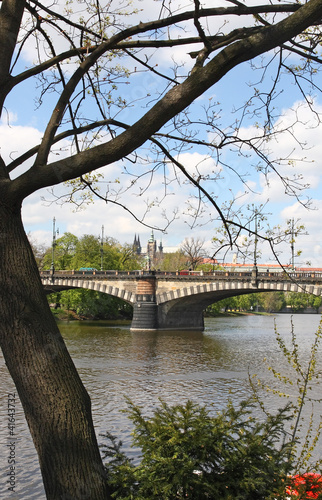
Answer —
208 368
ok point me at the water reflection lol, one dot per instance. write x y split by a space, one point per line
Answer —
207 367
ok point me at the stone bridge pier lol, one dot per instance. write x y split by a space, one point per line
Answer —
145 308
150 314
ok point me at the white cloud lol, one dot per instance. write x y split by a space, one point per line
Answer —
8 118
295 153
309 244
16 139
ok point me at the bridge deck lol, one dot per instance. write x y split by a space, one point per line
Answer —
184 275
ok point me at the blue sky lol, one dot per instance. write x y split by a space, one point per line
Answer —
27 123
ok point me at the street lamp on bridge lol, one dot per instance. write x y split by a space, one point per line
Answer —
292 244
254 271
53 246
256 240
102 248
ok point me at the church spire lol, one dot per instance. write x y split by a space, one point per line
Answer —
137 245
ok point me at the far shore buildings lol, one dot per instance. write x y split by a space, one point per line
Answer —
153 252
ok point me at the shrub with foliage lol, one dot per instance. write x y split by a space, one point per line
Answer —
188 454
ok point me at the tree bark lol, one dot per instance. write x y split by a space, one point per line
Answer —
11 13
56 404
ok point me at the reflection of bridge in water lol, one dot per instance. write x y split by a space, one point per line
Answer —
176 300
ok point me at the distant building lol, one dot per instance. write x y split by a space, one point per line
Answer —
153 252
137 245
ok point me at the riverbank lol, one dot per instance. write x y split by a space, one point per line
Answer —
234 314
69 315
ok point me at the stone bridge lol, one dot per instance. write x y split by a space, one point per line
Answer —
176 300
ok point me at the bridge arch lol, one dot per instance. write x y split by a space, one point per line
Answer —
229 288
184 307
98 286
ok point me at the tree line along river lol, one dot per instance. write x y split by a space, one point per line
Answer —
208 367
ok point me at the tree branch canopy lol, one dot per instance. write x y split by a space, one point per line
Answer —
102 59
44 174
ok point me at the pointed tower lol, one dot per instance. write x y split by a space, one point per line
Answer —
160 248
139 248
137 245
151 248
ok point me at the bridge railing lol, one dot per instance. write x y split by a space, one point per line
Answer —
183 274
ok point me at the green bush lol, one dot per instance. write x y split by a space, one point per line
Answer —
188 454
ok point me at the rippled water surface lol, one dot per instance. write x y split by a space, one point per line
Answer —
113 362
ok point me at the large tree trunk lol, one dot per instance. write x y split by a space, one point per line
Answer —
56 404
